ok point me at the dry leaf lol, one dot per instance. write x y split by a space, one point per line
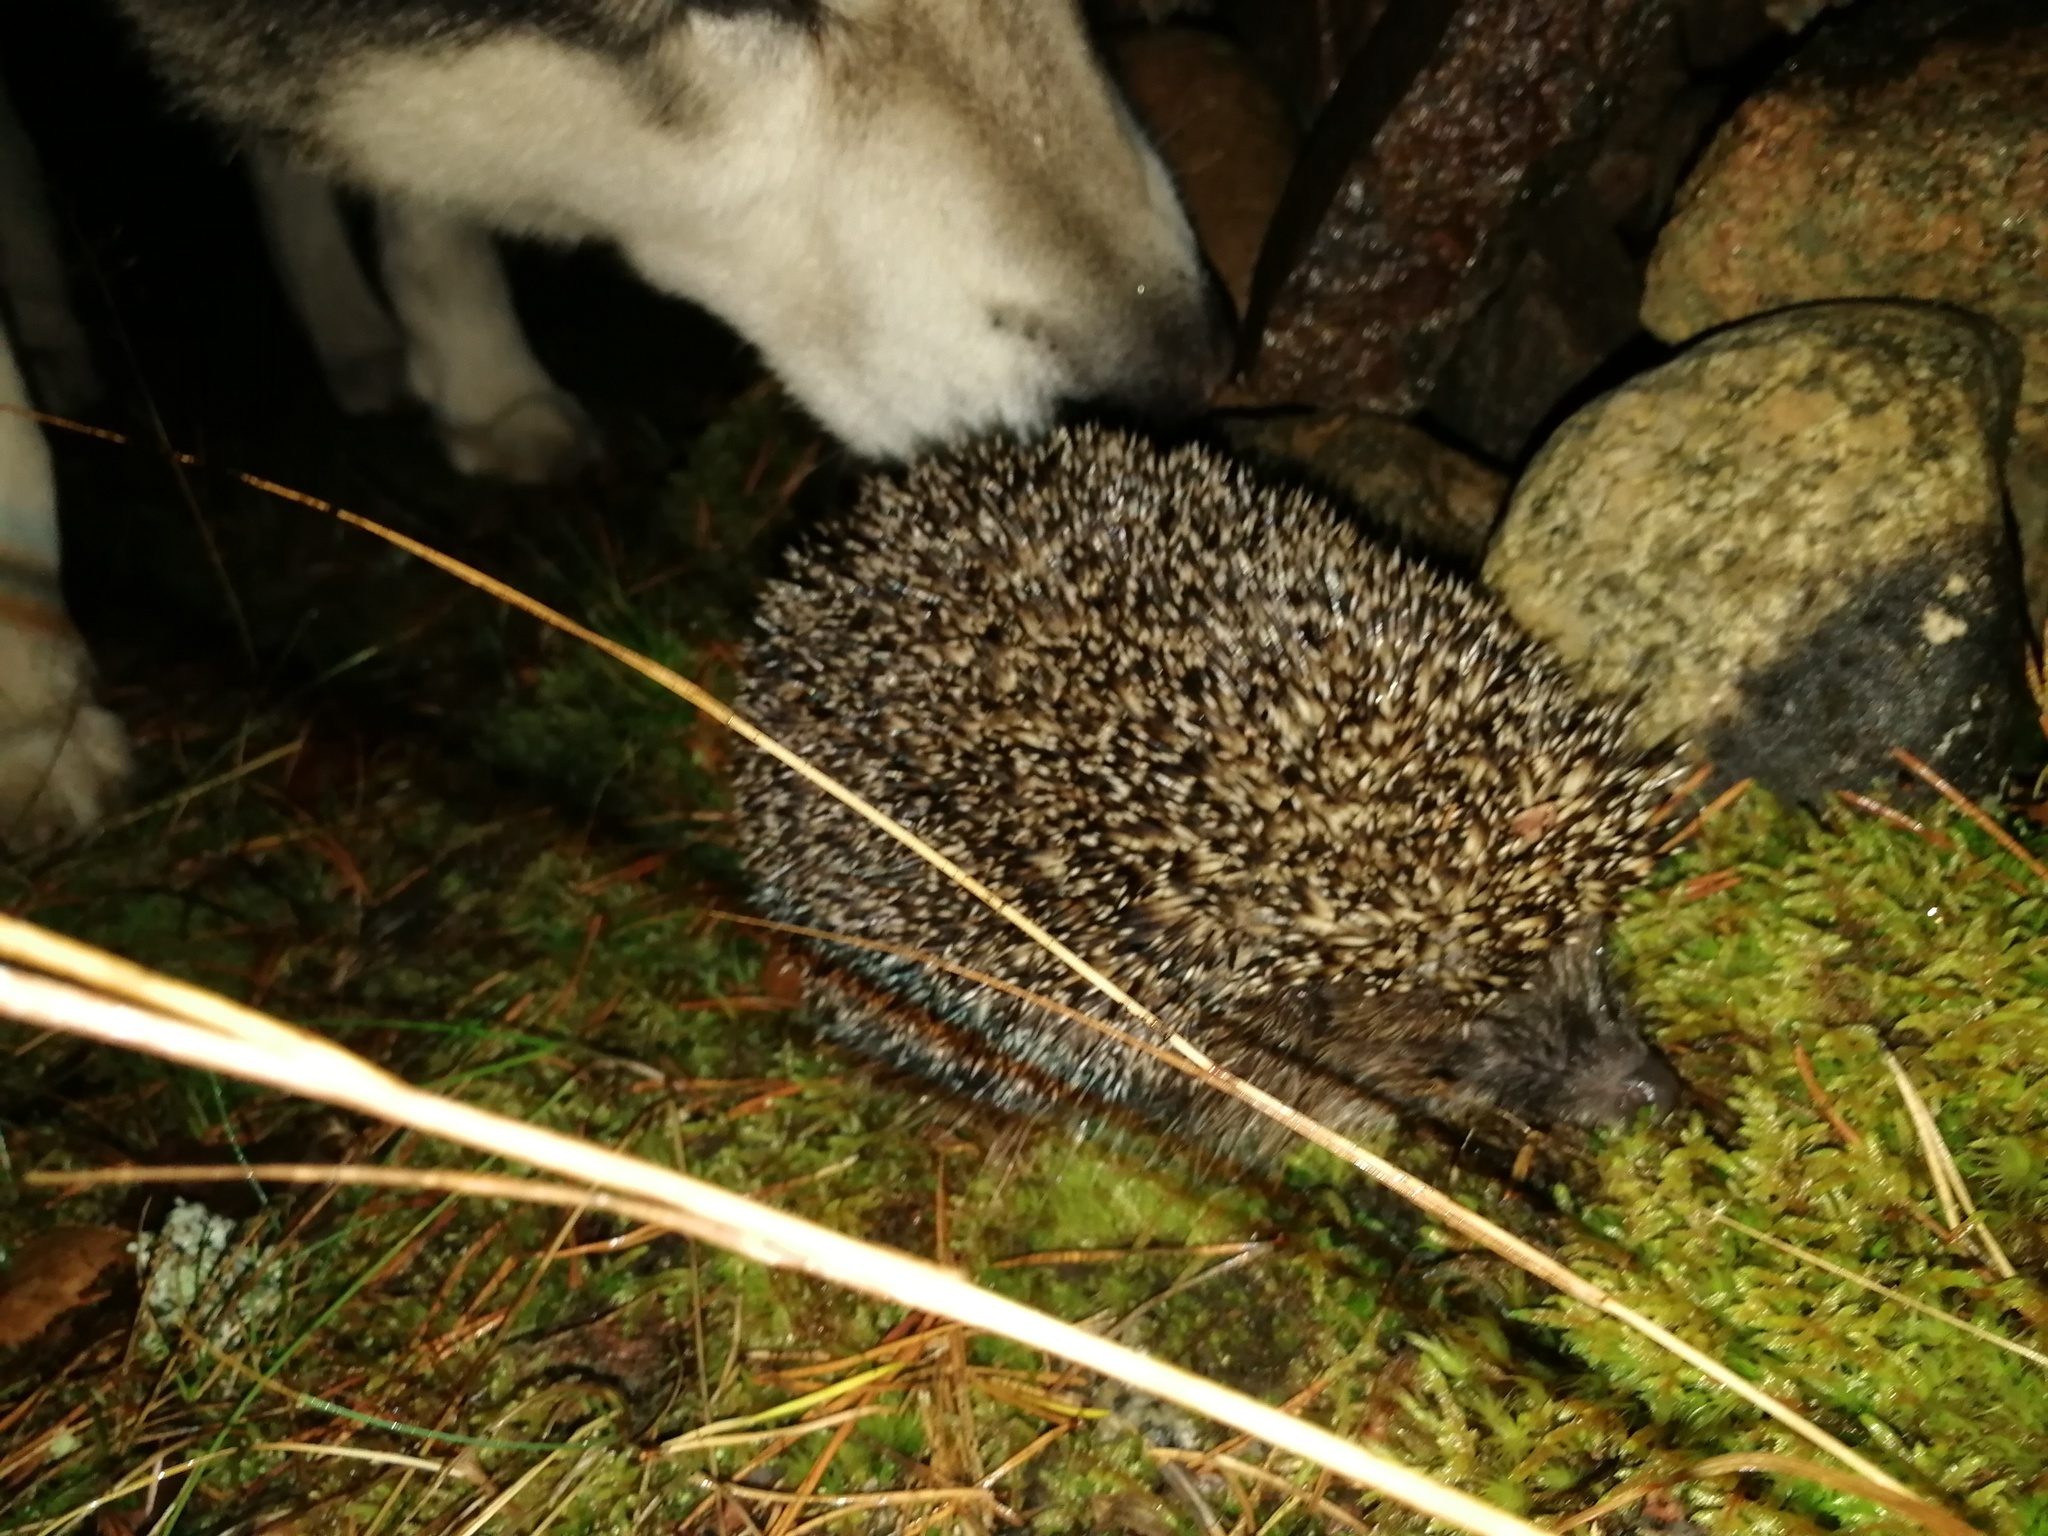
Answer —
53 1273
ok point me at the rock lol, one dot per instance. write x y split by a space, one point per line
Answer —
1304 46
1791 543
1410 486
1449 239
1798 15
1224 132
1902 153
1567 307
2026 491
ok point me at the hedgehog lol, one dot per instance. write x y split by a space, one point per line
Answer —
1319 805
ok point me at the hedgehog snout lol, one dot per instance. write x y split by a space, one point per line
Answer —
1615 1090
1570 1047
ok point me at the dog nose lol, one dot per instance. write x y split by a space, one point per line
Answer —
1187 347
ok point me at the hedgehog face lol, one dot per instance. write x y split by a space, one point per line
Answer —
1568 1048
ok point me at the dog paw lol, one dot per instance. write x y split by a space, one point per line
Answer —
59 777
63 759
537 440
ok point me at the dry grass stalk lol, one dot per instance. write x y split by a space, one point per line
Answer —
1523 1254
205 1030
184 797
1929 1516
1957 1208
1426 1196
1843 1272
353 1453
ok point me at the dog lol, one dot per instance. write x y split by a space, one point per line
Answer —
931 217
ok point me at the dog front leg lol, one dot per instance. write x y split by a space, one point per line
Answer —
354 337
62 757
53 344
499 412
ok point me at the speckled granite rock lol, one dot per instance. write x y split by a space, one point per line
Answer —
1903 153
1791 543
1421 492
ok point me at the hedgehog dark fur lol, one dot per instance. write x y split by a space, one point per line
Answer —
1325 809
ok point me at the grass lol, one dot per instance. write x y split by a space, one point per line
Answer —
512 895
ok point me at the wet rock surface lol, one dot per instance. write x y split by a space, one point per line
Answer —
1903 152
1411 241
1420 492
1791 543
1465 230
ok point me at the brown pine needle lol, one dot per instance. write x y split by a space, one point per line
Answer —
1713 808
1257 1474
1850 1135
787 1517
1294 1404
1712 883
1045 1441
1935 838
852 1501
1891 815
1974 811
1680 795
910 1344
